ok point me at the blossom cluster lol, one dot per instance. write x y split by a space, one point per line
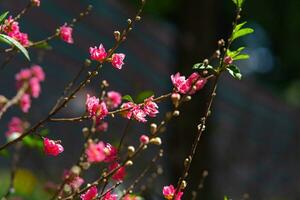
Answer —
15 128
99 54
190 85
65 33
12 29
169 192
140 111
33 77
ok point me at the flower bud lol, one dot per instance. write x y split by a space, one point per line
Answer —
183 185
176 113
129 163
117 35
76 170
156 141
144 139
153 128
175 99
130 150
228 60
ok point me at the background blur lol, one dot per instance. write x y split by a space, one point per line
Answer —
251 143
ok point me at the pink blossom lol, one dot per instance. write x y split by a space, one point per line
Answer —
190 85
38 72
76 182
110 196
139 114
35 87
150 107
25 103
15 126
117 60
169 192
36 3
144 139
119 174
90 194
114 99
22 38
65 33
102 126
24 74
101 111
196 82
129 107
228 60
12 29
95 152
91 105
52 147
110 152
98 54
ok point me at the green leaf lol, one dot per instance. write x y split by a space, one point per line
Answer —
3 16
225 198
44 132
233 54
127 98
238 3
239 26
4 153
202 66
234 71
33 142
242 32
143 95
13 42
241 57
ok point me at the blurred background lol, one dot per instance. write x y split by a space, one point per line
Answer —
250 148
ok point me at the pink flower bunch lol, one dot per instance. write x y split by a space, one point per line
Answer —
190 85
73 180
98 152
169 192
99 54
12 29
102 126
95 108
140 112
119 174
33 77
65 33
90 194
95 152
110 196
113 100
52 147
15 128
36 3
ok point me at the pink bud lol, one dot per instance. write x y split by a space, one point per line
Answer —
144 139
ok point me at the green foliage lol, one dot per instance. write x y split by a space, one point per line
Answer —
143 95
234 71
225 198
4 153
238 3
235 55
11 41
241 57
127 98
3 16
202 66
32 142
241 32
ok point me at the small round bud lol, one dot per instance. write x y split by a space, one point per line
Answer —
129 21
175 99
176 113
129 163
131 150
188 98
205 62
144 139
87 62
156 141
153 128
85 131
76 170
228 60
183 185
138 18
117 35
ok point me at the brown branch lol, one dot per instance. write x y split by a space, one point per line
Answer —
14 100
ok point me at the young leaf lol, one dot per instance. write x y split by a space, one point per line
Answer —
234 71
3 16
241 57
11 41
242 32
202 66
127 98
143 95
238 27
4 153
225 198
233 54
238 3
